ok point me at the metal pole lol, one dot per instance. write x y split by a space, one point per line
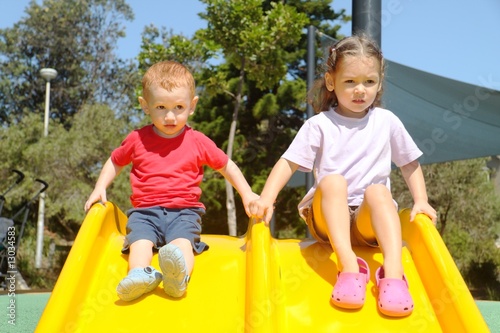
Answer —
48 74
311 63
367 18
311 68
47 109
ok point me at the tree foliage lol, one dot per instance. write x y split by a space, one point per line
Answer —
68 160
254 44
88 101
77 38
468 212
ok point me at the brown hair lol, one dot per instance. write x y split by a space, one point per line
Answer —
319 96
168 75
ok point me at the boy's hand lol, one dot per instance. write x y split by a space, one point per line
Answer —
96 195
262 209
247 200
424 208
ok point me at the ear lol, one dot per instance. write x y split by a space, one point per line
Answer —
193 104
144 104
329 82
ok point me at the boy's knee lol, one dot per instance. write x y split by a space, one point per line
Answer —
182 243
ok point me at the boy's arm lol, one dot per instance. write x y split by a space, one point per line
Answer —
234 175
414 178
108 173
279 176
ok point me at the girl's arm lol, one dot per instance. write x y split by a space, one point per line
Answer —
108 173
414 177
233 175
279 176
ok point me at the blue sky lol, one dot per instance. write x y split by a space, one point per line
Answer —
458 39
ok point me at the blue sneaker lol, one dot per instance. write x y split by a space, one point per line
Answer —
138 282
173 266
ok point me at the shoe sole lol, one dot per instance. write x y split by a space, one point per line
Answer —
173 267
128 290
129 294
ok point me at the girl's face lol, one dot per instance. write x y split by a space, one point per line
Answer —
169 110
356 83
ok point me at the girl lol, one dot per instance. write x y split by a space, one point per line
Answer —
349 146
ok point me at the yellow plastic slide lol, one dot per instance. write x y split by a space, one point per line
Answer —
253 284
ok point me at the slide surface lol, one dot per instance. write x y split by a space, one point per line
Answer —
253 283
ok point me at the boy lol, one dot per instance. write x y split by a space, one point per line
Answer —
167 159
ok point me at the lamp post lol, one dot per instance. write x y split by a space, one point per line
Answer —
48 74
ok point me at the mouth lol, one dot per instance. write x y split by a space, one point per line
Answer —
358 101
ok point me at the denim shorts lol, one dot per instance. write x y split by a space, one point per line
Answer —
162 225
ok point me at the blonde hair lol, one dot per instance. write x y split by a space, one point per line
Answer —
168 75
319 96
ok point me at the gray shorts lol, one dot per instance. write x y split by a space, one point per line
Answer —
162 225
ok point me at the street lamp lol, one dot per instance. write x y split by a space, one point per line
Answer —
48 74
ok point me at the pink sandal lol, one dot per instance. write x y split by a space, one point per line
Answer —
350 289
394 298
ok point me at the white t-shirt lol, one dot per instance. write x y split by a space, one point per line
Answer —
361 150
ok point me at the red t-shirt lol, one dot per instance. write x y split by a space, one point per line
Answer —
167 172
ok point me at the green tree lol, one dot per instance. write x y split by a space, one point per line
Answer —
77 38
468 215
90 103
254 41
159 44
69 161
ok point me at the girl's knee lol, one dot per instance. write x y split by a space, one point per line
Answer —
377 192
333 181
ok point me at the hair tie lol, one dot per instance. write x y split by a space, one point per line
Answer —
332 49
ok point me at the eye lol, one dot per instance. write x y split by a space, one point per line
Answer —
161 107
179 107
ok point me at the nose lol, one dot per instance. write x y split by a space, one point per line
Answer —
359 89
169 116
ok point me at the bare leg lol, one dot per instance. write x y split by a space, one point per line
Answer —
141 254
379 209
139 280
336 215
187 251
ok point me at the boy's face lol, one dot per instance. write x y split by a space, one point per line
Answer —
169 110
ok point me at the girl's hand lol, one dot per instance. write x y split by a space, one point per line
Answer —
262 209
425 208
247 200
